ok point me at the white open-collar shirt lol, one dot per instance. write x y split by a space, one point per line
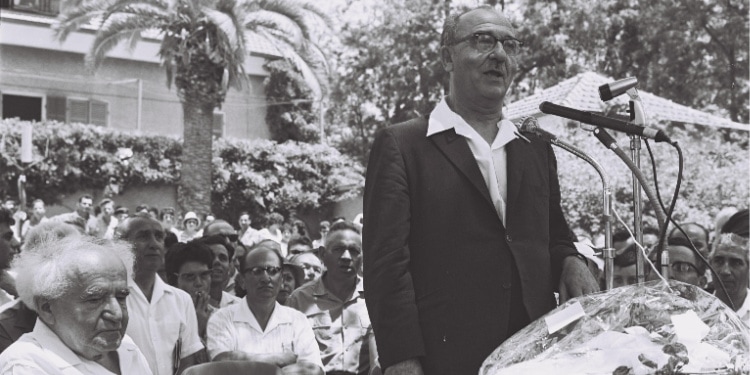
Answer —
491 159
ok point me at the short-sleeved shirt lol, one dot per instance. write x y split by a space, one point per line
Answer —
234 328
342 328
157 326
42 352
227 300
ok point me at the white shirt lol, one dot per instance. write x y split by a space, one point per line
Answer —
156 327
744 311
491 159
42 352
227 299
235 328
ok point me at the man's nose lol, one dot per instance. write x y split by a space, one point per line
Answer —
114 310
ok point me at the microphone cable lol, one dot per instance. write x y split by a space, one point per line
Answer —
670 218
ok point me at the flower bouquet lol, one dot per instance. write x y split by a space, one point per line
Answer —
651 328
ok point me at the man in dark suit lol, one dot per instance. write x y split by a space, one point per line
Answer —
464 238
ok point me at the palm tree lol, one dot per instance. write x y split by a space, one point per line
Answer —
203 49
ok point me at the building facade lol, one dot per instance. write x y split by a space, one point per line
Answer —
43 79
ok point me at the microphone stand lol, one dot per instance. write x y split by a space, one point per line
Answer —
608 252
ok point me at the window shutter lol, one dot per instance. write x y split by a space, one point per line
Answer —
78 111
218 124
99 112
56 106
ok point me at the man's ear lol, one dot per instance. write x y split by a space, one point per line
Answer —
446 58
44 310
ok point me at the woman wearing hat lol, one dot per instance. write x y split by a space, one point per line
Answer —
191 223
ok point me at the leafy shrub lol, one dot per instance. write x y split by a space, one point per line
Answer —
259 175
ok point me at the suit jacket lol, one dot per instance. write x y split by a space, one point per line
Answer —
438 261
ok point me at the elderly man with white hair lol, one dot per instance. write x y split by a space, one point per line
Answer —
78 287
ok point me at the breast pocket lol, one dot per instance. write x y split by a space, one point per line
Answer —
322 326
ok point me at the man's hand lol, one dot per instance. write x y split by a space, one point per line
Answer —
408 367
576 279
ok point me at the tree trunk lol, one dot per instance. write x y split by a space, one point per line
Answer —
194 191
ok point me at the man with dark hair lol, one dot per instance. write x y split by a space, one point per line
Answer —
163 321
335 306
731 260
685 265
104 224
81 216
38 216
697 233
624 272
466 240
259 328
222 270
8 249
224 229
188 267
298 245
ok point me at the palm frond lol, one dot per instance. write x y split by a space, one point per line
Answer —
73 19
271 21
119 27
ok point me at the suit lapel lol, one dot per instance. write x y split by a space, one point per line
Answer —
518 159
458 152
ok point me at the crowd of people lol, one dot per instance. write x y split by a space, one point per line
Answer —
134 303
466 244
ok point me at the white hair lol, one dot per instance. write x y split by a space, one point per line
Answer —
47 231
46 271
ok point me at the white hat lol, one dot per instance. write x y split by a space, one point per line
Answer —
191 216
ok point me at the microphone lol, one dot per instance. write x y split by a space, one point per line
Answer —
531 125
603 121
616 88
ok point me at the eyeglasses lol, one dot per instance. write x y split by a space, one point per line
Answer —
484 42
683 267
191 277
257 271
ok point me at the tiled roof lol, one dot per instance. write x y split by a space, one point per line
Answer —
582 92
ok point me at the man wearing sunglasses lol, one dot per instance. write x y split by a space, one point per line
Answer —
466 240
259 328
685 264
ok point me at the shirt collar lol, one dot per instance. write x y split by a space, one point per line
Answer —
443 118
50 341
160 288
320 290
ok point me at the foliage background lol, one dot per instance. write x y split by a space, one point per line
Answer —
257 176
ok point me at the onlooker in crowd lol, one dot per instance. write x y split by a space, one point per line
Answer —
154 213
80 217
310 263
299 228
248 235
624 272
650 238
224 229
78 288
620 240
335 306
298 245
17 318
720 219
291 279
286 234
168 220
697 234
121 213
272 231
685 264
730 260
259 328
142 209
221 267
18 216
162 318
188 267
325 225
8 248
104 224
191 227
38 215
208 219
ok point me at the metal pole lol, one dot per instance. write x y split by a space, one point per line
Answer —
140 104
635 148
322 122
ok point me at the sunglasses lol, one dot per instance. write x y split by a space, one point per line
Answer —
258 271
